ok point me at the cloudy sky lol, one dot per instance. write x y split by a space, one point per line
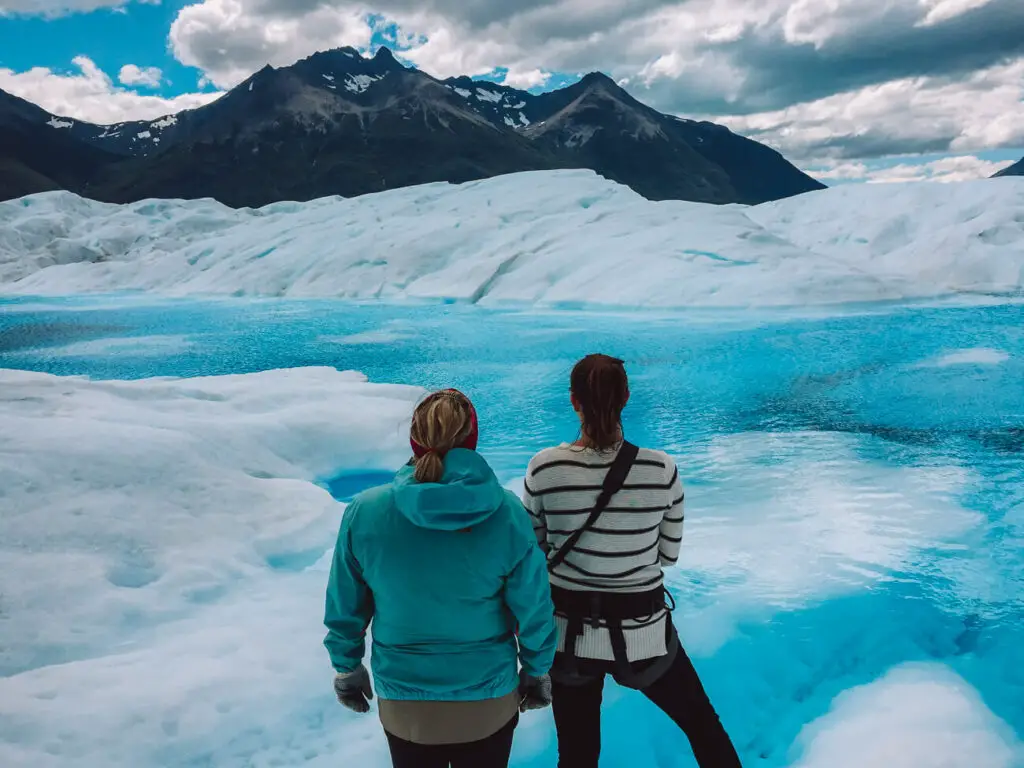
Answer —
850 90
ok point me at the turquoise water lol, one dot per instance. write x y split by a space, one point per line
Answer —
855 482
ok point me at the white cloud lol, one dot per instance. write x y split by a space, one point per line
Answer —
533 78
982 111
943 10
131 75
90 95
697 56
231 39
61 7
946 169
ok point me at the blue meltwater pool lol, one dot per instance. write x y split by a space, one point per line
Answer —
853 561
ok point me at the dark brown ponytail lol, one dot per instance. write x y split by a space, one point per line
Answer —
601 389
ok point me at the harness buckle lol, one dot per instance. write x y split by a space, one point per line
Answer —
594 619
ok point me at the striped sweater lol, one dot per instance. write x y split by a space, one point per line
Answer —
639 532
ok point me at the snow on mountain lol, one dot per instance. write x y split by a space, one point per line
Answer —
552 238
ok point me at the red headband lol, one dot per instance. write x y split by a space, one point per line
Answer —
471 439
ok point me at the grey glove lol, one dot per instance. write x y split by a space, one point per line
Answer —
353 689
534 692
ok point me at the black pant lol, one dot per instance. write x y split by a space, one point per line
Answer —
678 693
492 752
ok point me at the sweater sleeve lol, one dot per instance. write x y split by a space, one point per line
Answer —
671 537
535 507
349 604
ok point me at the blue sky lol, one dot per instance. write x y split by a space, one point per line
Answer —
853 90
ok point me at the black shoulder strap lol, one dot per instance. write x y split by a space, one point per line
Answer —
613 483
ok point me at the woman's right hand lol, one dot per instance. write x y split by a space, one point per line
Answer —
353 689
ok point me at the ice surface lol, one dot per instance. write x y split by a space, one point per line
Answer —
917 716
127 504
850 511
520 239
967 237
135 345
979 356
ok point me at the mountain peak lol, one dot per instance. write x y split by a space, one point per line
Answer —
1017 169
597 78
384 54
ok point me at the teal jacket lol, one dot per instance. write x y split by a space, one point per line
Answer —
444 571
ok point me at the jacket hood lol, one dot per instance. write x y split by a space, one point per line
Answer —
467 494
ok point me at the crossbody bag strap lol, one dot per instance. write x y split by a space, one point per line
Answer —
613 483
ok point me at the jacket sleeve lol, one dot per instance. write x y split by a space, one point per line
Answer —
671 538
349 604
528 596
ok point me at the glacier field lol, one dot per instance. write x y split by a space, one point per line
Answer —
851 588
186 406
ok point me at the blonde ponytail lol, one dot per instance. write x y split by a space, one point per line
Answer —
429 468
442 421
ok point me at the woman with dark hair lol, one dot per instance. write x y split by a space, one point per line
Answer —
609 516
443 563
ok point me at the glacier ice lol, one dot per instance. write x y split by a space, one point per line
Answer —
916 716
850 588
547 238
128 503
854 509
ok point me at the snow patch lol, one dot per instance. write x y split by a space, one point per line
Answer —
463 92
328 77
492 96
520 105
250 86
165 122
916 716
976 356
510 122
523 120
144 135
56 122
359 83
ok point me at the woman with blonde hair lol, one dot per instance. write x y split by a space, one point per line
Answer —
444 565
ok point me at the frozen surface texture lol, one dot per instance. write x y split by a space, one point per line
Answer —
129 504
851 587
553 238
916 716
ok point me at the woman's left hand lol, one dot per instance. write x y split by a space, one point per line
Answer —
534 692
